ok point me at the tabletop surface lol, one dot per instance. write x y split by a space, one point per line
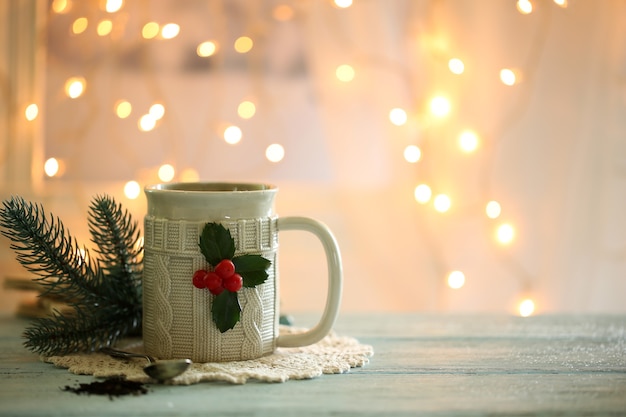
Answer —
424 364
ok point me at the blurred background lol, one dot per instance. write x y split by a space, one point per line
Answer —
469 155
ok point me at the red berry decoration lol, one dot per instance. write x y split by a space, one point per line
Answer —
214 283
233 283
199 278
225 268
218 248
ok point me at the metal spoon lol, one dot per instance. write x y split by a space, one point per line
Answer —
157 369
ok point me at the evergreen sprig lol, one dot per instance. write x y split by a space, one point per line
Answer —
105 293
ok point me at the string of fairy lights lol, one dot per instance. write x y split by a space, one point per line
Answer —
439 107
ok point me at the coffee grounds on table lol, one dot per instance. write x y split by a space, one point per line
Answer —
113 387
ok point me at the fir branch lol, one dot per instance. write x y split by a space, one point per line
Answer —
44 248
82 331
105 293
117 239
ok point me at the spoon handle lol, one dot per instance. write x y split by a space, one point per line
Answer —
121 354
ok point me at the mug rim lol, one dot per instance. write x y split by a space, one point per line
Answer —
211 187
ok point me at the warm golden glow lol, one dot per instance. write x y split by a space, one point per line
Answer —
442 203
31 112
166 173
526 307
508 76
123 109
61 6
147 122
275 152
51 167
206 49
524 6
422 193
80 25
104 27
456 66
283 13
113 6
412 154
132 190
150 30
243 44
246 109
344 73
440 106
505 233
456 280
170 31
397 116
493 209
468 141
562 3
75 87
232 135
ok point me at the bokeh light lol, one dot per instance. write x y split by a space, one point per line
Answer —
31 112
232 135
104 27
75 87
113 6
275 152
526 307
412 154
150 30
206 49
243 44
123 109
246 109
397 116
51 167
132 190
468 141
442 203
524 6
422 193
343 4
493 209
147 122
345 73
157 111
166 173
508 76
80 25
505 233
456 279
456 66
170 31
440 106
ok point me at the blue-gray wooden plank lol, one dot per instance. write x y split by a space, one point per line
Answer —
436 365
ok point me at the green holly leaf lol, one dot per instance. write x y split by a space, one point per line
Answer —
252 269
216 243
226 310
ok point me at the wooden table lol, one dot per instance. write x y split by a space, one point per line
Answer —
439 365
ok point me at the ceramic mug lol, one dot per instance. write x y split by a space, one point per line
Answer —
177 316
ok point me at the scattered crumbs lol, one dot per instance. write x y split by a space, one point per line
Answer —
113 387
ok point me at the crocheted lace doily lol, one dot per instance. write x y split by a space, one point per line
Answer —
332 355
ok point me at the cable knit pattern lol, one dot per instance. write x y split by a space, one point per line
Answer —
177 317
332 355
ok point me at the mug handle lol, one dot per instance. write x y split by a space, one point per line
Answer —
335 278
